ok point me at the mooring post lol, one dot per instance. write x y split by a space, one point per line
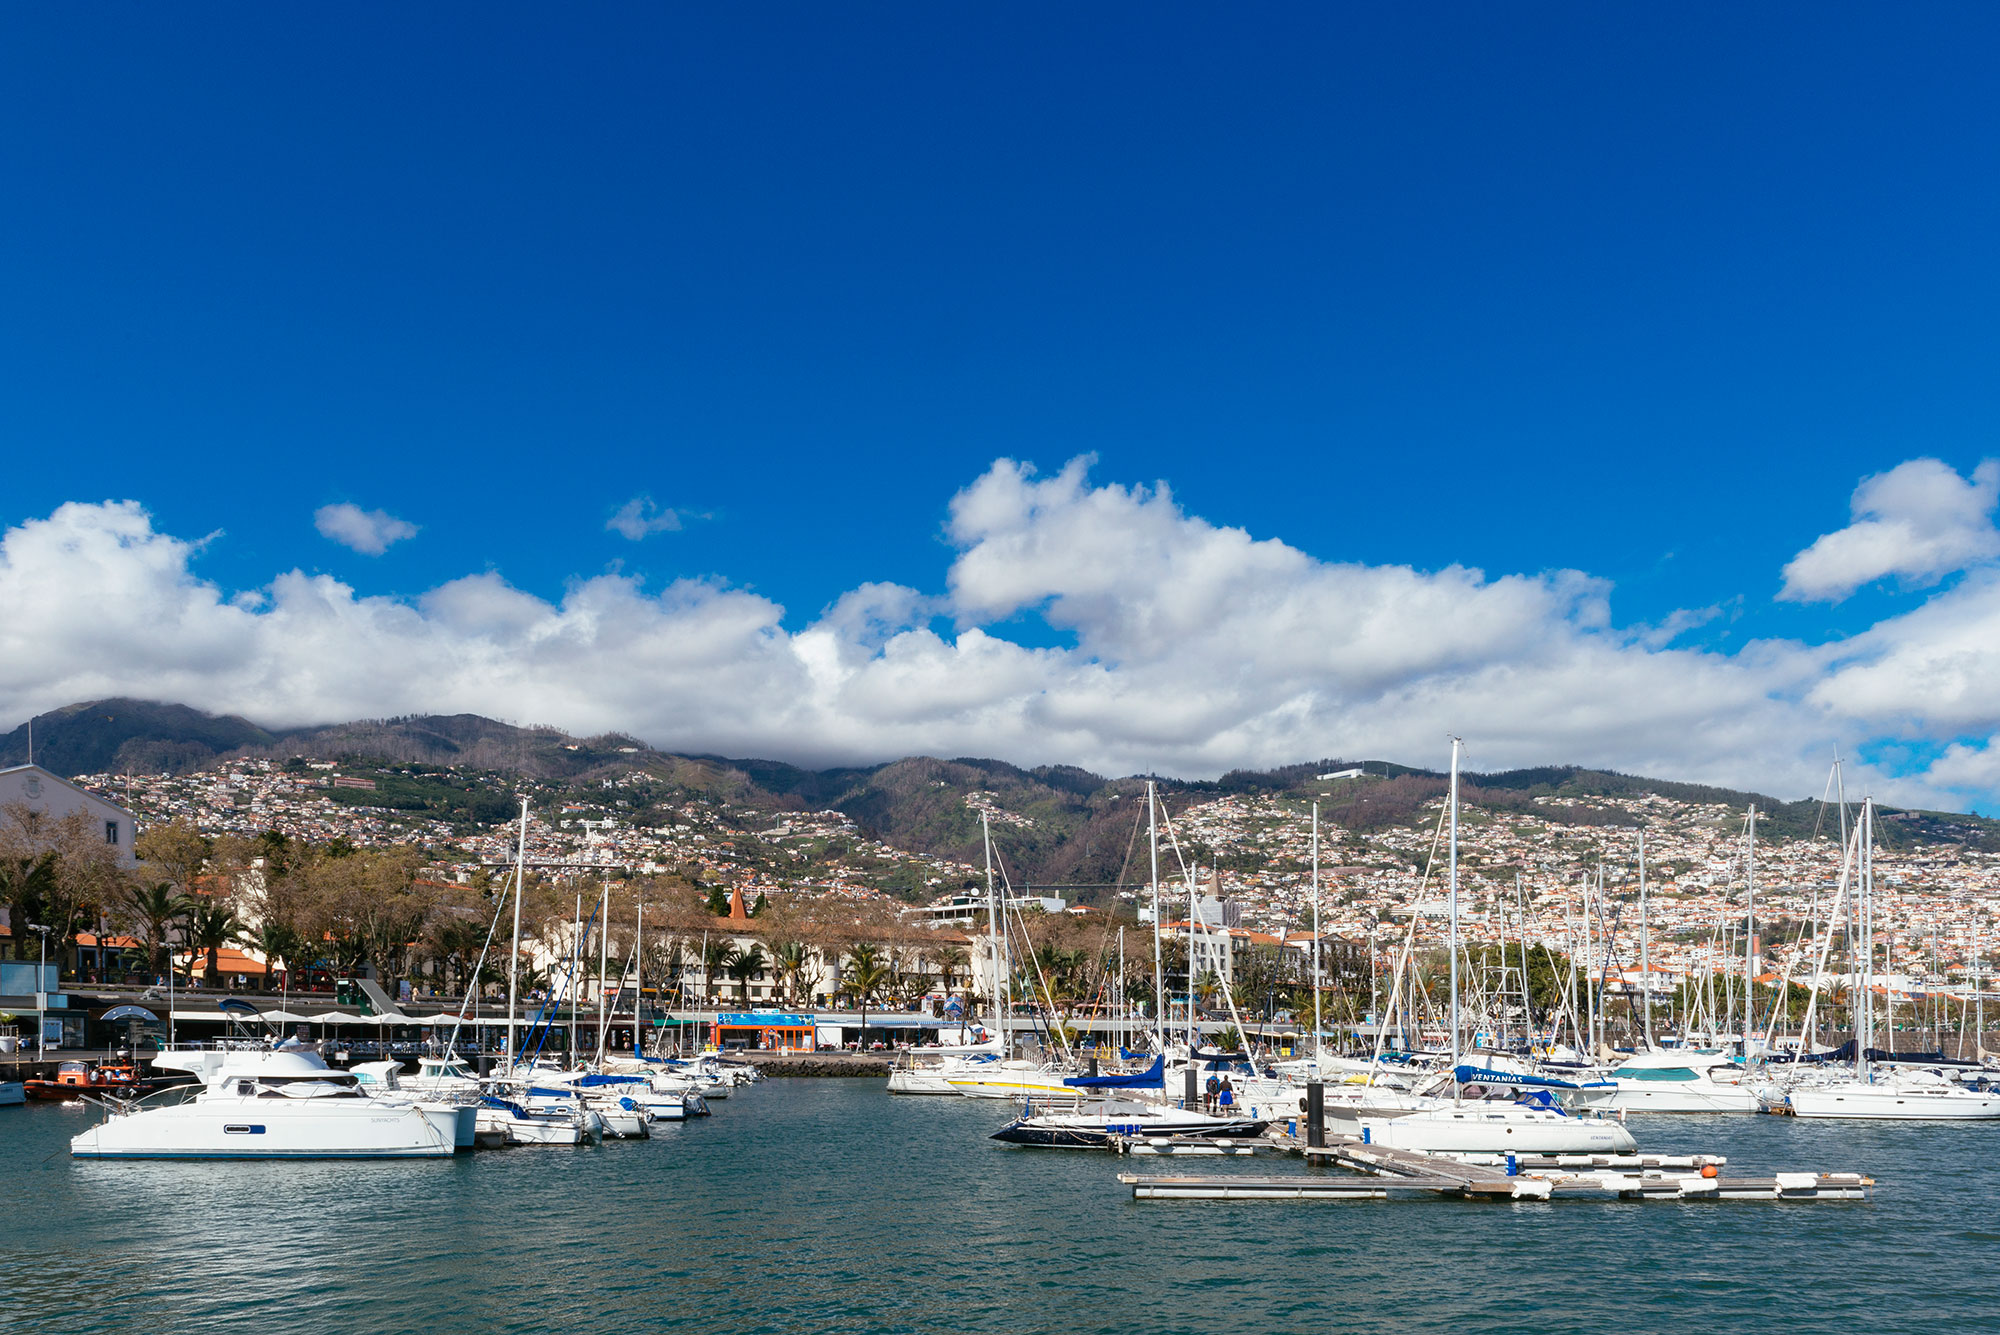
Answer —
1093 1068
1191 1087
1315 1115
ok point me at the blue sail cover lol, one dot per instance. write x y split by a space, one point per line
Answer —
1154 1076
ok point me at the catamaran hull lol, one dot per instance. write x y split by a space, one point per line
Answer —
192 1131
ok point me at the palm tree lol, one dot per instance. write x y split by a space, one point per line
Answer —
790 959
715 958
951 962
866 975
210 928
743 965
156 908
280 946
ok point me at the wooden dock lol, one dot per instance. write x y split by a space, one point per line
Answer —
1393 1174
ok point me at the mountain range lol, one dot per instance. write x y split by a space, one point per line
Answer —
1063 824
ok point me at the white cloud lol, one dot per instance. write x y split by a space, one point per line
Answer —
640 517
370 532
1197 648
1919 521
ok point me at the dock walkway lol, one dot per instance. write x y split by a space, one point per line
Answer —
1392 1174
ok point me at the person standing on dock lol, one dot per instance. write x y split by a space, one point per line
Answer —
1213 1090
1228 1096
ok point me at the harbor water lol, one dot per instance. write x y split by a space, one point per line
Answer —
826 1205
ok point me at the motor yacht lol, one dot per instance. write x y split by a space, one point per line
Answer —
1678 1080
1091 1125
269 1105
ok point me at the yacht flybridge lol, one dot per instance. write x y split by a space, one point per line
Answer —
260 1104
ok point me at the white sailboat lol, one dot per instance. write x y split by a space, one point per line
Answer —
1897 1096
1453 1125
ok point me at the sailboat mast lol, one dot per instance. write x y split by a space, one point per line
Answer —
1002 985
1453 894
514 955
1159 986
1645 948
575 970
1319 1044
1867 912
1749 931
603 968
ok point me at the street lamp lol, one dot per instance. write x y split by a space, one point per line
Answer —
41 994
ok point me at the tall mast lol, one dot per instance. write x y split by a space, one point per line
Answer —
1645 947
1750 931
1159 986
1319 1043
575 972
1002 985
514 956
603 968
639 974
1867 910
1455 744
1124 1028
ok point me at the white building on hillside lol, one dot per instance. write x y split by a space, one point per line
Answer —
51 795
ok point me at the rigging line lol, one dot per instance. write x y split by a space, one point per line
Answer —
451 1043
1028 944
1409 944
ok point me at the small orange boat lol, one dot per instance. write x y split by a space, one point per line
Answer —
75 1079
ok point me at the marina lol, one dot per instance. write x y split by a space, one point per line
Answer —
770 1212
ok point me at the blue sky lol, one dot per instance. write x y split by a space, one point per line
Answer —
1526 289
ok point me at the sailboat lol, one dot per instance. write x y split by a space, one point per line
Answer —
1454 1125
1895 1096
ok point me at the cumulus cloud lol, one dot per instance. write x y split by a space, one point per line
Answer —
370 532
640 518
1194 648
1920 521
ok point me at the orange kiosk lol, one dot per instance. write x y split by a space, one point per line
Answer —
765 1031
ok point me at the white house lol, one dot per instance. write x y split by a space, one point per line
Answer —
52 795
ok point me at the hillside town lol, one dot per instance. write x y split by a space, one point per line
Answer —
1526 875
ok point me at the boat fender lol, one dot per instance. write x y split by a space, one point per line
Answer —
1708 1170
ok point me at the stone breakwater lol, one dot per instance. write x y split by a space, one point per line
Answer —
821 1064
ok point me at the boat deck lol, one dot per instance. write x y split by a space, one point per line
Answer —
1383 1173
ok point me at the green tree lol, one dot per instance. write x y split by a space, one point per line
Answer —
27 881
153 909
210 928
744 965
867 974
792 961
177 851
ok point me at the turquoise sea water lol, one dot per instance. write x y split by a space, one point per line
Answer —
826 1205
